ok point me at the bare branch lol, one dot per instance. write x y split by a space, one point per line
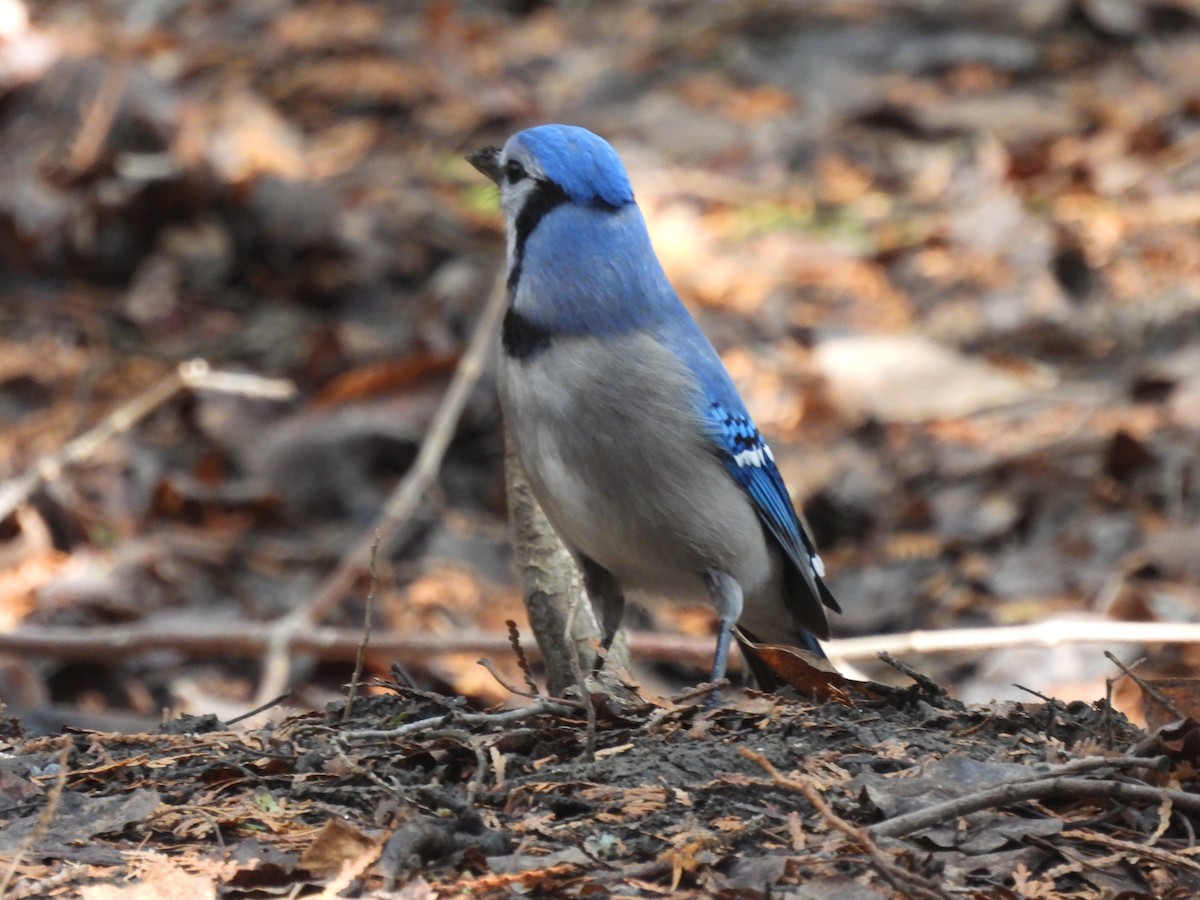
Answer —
194 374
1040 789
540 707
206 639
909 883
209 640
400 506
360 656
1050 633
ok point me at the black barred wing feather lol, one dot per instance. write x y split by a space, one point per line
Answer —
749 461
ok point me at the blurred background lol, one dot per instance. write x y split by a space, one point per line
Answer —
948 250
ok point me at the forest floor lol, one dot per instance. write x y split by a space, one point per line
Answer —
949 255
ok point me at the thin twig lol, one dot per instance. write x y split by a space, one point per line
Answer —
1092 763
704 690
356 768
541 707
98 117
199 377
175 812
403 502
366 634
1146 688
258 709
1015 792
408 493
43 822
908 883
1038 694
473 743
194 374
1107 713
1126 849
207 639
511 688
1050 633
926 684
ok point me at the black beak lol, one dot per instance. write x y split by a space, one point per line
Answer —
487 161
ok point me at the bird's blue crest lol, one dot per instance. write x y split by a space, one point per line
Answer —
583 164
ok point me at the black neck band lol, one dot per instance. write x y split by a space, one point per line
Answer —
521 338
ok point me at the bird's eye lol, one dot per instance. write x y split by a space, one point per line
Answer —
513 171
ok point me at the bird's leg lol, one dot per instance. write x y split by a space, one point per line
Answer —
727 598
608 603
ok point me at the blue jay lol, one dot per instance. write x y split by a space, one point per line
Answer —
635 440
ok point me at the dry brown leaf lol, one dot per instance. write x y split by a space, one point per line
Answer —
547 882
728 824
393 376
250 137
337 844
810 674
910 378
365 79
158 877
341 147
689 851
1169 700
1182 738
630 803
299 30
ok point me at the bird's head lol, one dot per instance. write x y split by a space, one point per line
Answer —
576 242
542 167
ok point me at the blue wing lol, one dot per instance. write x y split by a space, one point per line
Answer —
750 463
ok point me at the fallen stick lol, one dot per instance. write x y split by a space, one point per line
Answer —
245 640
1050 633
1062 788
399 508
239 640
191 375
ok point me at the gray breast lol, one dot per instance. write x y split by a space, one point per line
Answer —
610 435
